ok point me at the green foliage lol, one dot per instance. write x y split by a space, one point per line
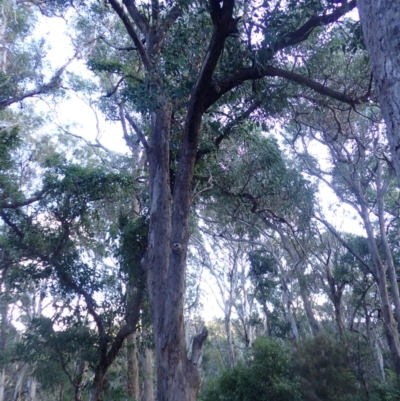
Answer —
324 367
265 377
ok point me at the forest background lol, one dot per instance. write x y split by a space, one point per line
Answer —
234 115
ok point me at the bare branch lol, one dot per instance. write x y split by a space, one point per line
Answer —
132 33
129 48
15 205
138 131
53 84
302 34
228 128
137 17
216 91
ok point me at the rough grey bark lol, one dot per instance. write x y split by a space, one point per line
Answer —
381 29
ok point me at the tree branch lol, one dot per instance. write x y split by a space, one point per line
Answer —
301 34
216 91
53 84
132 33
15 205
138 131
137 17
228 128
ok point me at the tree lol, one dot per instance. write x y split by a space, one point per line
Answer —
380 24
175 70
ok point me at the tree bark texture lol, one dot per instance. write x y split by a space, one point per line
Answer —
147 369
133 367
381 29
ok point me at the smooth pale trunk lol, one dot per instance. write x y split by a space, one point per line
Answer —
147 366
133 367
287 304
18 384
32 388
2 384
392 334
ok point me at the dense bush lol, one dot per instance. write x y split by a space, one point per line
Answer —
266 376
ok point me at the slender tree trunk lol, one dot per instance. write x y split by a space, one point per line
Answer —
32 388
379 361
133 368
287 303
3 331
3 41
147 370
18 384
80 369
229 339
307 306
337 305
381 28
381 190
392 334
2 384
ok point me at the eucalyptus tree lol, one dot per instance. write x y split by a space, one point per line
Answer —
260 199
380 23
360 173
183 75
66 231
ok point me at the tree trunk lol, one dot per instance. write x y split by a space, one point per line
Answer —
229 340
177 377
32 387
307 306
147 367
3 41
133 368
98 384
381 190
80 369
287 304
2 384
381 28
18 384
392 334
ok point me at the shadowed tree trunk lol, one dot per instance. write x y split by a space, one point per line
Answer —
381 29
